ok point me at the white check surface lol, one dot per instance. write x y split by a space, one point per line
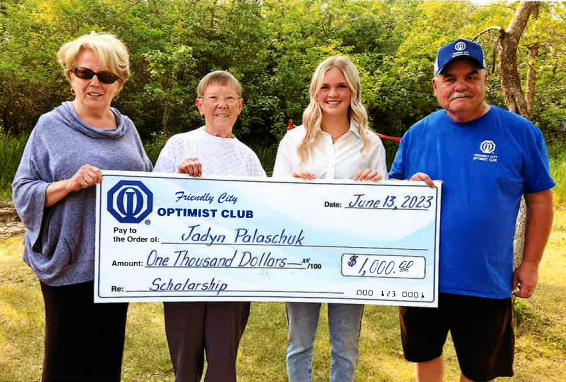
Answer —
177 238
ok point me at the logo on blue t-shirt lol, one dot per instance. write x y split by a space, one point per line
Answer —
129 201
487 148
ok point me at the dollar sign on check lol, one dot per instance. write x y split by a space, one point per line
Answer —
352 261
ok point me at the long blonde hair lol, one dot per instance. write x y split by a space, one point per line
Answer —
312 116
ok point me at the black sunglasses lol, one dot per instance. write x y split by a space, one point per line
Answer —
87 74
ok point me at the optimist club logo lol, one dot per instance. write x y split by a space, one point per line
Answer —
487 147
460 46
129 201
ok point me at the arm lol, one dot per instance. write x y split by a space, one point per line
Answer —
538 226
190 166
378 166
166 160
399 167
421 176
86 177
283 166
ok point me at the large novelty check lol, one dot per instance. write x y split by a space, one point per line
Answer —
169 237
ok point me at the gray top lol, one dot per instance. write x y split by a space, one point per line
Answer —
59 244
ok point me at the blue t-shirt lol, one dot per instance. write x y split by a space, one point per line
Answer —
486 166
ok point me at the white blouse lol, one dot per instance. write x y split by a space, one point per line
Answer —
327 160
219 156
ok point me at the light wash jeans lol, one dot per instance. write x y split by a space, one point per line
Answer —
344 322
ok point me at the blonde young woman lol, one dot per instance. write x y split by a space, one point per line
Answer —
55 198
334 142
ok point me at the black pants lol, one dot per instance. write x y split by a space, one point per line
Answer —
83 341
193 328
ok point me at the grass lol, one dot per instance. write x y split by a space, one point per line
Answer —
541 333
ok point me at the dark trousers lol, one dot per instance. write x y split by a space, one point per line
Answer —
83 341
193 328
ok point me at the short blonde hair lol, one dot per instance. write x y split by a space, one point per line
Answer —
219 77
108 48
312 116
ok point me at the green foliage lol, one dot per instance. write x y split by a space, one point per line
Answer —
266 155
153 147
272 47
11 150
558 168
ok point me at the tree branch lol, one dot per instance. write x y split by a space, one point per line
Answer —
486 31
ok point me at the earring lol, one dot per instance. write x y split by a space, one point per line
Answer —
72 91
115 98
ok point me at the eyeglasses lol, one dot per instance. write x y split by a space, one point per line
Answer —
214 100
87 74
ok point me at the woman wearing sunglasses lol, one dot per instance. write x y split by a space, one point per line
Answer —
334 142
55 198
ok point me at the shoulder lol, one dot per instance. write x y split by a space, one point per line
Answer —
49 119
373 138
297 134
185 138
514 128
511 119
123 119
246 150
426 126
430 120
294 137
50 126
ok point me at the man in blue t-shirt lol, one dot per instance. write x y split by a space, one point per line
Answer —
487 158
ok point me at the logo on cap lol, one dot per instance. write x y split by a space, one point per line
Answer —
129 201
460 46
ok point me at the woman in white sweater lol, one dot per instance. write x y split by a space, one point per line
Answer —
212 327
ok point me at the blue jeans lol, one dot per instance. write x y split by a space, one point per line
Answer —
344 321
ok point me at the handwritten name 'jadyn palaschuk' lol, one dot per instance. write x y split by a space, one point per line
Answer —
243 235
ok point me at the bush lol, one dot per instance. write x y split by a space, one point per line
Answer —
558 169
11 150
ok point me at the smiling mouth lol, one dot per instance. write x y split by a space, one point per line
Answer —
97 95
333 102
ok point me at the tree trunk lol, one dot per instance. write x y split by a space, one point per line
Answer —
508 44
513 95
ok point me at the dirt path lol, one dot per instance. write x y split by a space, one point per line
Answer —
10 223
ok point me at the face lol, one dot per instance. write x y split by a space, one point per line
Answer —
461 88
92 94
220 106
334 95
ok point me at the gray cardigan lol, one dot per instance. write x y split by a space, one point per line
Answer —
59 244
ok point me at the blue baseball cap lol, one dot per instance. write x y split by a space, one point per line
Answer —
457 49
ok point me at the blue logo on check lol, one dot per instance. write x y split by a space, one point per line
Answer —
129 201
